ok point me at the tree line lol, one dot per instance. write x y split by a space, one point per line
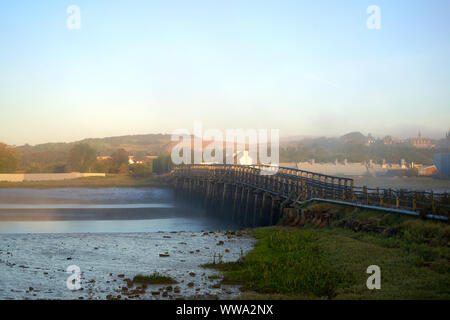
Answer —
322 151
81 157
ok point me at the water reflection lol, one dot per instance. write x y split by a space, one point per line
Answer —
84 206
78 210
122 226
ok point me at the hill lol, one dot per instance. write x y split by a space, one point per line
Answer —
152 144
51 157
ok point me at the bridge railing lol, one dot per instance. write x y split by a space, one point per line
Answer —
303 185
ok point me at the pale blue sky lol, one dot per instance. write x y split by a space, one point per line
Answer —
304 67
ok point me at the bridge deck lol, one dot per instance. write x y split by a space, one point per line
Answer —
299 185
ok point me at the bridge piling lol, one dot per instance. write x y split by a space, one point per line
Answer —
265 209
257 208
226 197
274 210
248 206
241 208
236 201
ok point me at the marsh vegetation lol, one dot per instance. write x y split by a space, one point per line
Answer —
308 263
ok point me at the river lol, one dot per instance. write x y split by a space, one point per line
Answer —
108 232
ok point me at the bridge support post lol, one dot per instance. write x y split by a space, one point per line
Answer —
217 197
242 203
209 193
264 213
198 190
275 210
227 191
191 190
177 188
257 207
236 202
248 206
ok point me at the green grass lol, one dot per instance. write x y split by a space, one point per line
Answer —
215 277
284 261
154 278
407 270
87 182
307 263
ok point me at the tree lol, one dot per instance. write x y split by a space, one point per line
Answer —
140 156
81 157
118 162
9 158
119 157
123 169
140 170
162 164
102 166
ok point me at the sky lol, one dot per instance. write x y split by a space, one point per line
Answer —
303 67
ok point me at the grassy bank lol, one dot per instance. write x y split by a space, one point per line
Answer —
154 278
88 182
303 262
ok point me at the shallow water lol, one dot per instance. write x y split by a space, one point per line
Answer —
78 210
107 232
124 226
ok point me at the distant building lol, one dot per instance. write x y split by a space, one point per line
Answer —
422 143
388 140
403 164
427 170
132 160
418 142
103 157
370 140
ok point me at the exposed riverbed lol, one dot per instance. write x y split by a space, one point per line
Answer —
111 234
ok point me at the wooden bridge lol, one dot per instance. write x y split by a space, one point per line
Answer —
258 195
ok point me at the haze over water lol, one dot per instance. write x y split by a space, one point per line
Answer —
82 210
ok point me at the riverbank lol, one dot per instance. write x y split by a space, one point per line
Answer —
109 181
308 259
